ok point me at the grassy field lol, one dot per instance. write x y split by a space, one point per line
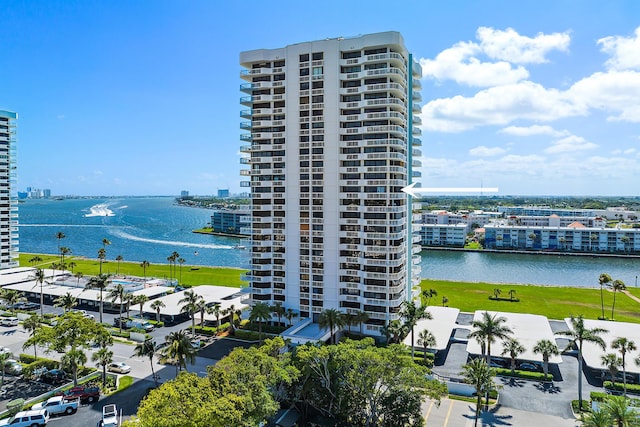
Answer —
190 275
551 301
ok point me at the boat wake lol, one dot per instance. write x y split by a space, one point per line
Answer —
128 236
101 209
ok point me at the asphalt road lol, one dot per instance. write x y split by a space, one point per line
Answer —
90 415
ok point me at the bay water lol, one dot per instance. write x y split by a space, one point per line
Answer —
152 228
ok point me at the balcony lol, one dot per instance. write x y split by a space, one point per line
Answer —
381 102
391 72
246 113
391 57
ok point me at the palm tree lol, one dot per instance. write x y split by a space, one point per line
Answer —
117 294
59 235
101 281
73 359
189 305
118 259
144 264
64 251
547 349
624 345
618 409
426 340
480 376
598 418
578 335
290 315
78 276
102 254
490 328
140 299
66 301
11 296
604 280
612 362
40 276
428 294
216 310
178 349
203 308
147 349
278 310
103 357
72 265
31 324
128 300
157 305
395 330
361 318
513 348
181 261
411 313
616 286
260 312
105 242
35 259
331 319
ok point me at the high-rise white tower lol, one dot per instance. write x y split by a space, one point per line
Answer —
330 141
8 191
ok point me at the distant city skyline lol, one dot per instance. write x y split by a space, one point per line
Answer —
121 98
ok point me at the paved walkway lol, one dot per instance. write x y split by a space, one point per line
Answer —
455 413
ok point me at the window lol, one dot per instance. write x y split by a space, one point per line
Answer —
317 56
304 86
304 57
304 71
317 98
317 85
317 71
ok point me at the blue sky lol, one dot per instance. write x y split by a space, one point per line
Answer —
142 97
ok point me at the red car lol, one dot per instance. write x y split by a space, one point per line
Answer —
85 394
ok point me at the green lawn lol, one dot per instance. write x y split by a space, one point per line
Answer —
191 275
551 301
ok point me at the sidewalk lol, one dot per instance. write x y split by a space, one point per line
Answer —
455 413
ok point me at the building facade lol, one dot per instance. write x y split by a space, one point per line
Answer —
575 237
8 191
330 141
230 221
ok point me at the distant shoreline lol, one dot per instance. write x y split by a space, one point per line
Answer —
520 252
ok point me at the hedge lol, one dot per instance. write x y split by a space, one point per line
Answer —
631 388
528 375
247 335
211 330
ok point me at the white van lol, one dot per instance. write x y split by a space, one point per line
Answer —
9 321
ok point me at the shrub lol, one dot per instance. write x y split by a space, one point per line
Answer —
598 396
270 329
631 388
528 375
247 335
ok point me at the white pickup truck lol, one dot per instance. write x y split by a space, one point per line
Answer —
58 405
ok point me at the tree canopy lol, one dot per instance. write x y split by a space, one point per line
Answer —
353 382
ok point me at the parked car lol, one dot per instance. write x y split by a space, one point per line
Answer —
120 322
140 324
54 377
631 378
529 366
119 367
85 394
12 367
8 321
85 314
28 306
34 418
57 405
497 363
6 350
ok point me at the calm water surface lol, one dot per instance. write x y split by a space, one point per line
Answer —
152 228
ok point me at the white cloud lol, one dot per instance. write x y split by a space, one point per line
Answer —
461 62
533 130
570 144
510 46
458 63
615 91
499 106
624 51
60 117
483 151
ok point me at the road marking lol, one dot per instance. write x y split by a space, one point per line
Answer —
446 420
428 412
